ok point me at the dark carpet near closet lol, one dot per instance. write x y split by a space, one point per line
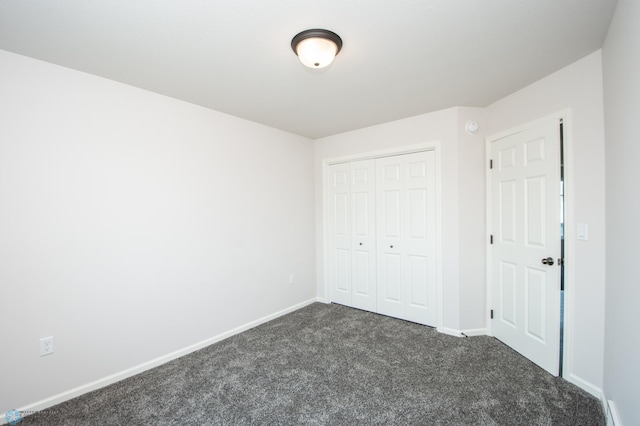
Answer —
333 365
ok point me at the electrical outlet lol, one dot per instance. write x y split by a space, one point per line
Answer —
46 346
292 279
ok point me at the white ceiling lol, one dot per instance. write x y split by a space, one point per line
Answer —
400 58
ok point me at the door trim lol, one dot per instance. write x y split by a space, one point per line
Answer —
409 149
569 231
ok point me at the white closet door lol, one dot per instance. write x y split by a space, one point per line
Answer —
352 266
406 241
363 240
340 233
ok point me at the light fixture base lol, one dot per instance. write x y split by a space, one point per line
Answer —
316 47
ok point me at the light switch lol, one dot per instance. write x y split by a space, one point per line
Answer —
582 232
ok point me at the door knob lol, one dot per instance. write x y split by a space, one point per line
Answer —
547 261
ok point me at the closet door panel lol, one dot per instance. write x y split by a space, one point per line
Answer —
363 235
406 232
417 277
419 242
339 238
391 297
382 236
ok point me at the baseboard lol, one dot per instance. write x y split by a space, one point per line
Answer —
462 333
583 384
106 381
611 413
474 332
449 331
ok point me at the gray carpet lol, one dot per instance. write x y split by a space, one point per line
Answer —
333 365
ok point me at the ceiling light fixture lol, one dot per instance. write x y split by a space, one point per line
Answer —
316 48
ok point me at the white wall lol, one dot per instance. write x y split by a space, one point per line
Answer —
462 224
127 218
579 88
472 228
621 68
133 225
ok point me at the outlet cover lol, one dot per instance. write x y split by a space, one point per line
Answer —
46 346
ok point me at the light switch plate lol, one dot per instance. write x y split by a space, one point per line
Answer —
582 232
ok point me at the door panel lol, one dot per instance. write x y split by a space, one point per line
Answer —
382 236
391 283
418 275
341 277
341 215
362 266
406 234
419 243
360 213
526 224
363 237
535 288
339 234
508 294
535 208
417 212
391 214
352 234
507 211
389 184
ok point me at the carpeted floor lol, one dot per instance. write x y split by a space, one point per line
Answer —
333 365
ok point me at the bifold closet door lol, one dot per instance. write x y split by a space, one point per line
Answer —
406 243
352 269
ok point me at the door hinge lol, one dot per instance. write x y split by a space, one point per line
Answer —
492 314
490 239
491 164
560 262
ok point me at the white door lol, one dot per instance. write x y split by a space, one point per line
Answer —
406 254
352 234
339 254
525 222
363 237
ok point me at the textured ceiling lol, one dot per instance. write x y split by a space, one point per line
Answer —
400 58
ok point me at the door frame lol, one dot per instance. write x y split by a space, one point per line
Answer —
569 228
434 146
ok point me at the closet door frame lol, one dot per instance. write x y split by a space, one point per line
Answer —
434 146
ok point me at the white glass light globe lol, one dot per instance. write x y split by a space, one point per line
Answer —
316 52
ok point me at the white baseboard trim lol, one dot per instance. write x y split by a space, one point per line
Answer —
475 332
462 333
449 331
105 381
583 384
611 413
605 409
323 300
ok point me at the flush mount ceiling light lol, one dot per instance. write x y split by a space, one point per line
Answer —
316 48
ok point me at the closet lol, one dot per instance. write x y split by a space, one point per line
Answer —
382 235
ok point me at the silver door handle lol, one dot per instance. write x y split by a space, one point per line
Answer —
547 261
